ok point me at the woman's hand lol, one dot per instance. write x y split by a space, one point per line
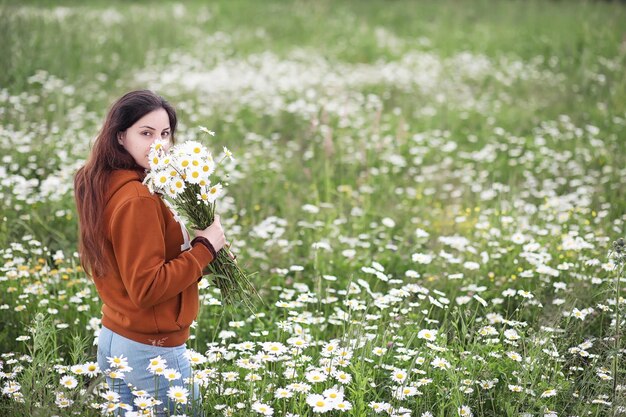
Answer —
214 233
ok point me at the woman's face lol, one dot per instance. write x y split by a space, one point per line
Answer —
138 138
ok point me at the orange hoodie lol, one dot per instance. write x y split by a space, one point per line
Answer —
150 293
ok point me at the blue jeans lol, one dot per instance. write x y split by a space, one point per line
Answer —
140 378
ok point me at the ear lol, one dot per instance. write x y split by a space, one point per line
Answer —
120 137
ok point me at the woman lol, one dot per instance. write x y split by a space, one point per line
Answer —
144 267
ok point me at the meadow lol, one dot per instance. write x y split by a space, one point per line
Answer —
431 194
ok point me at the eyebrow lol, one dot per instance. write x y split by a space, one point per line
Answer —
140 127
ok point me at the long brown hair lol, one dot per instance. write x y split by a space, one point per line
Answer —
107 155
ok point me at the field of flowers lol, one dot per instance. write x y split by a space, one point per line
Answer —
428 192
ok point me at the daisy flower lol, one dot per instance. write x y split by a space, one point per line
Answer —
62 401
77 369
343 406
193 176
111 396
334 395
161 180
177 186
194 357
207 168
299 387
379 407
315 376
427 334
344 353
196 149
215 192
398 376
319 403
182 162
464 411
178 394
329 348
158 361
113 374
205 130
91 369
283 393
69 381
440 363
342 377
156 161
379 351
423 381
203 196
487 331
143 402
511 334
228 153
261 408
297 342
171 374
548 393
117 361
274 348
514 356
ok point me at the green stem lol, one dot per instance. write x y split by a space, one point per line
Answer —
617 334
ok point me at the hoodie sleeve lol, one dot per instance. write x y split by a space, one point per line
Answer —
138 241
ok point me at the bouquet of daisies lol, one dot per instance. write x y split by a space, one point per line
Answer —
183 175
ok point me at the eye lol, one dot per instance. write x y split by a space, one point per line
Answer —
146 133
165 134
